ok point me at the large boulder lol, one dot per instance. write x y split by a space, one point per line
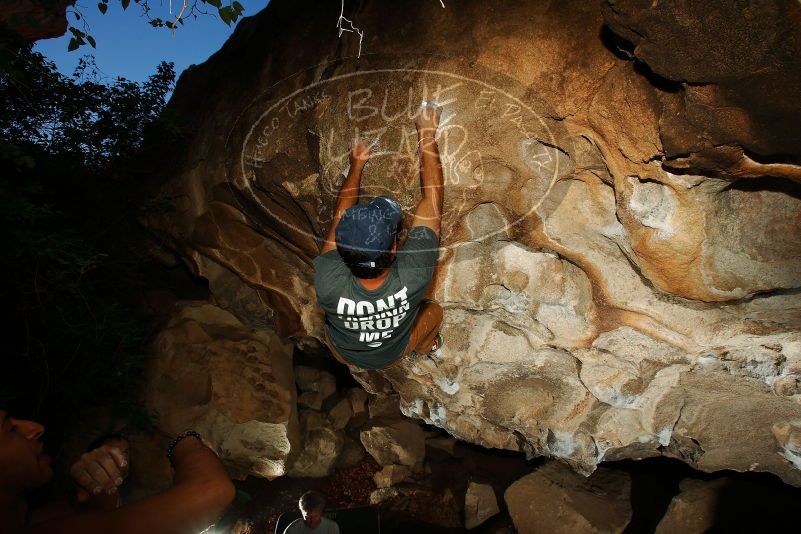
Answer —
555 499
400 443
621 246
386 406
741 503
315 380
480 504
315 385
340 414
321 446
231 383
391 475
358 400
694 509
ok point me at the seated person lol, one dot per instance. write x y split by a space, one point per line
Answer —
371 290
200 493
312 506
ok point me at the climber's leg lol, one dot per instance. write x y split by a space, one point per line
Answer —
425 328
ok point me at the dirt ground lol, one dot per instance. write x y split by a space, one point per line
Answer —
430 502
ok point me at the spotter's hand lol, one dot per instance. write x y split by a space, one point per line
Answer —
360 152
100 470
427 117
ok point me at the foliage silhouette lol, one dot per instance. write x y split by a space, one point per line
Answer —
228 11
71 191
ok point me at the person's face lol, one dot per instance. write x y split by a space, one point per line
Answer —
312 517
23 466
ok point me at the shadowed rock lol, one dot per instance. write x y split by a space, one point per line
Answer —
554 499
233 385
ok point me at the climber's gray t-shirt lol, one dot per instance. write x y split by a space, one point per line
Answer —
371 328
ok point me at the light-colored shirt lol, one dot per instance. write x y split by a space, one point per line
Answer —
326 526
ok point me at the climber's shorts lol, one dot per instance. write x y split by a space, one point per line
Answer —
424 329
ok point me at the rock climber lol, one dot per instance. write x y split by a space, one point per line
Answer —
371 287
200 493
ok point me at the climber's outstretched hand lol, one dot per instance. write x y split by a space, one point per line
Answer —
427 117
360 152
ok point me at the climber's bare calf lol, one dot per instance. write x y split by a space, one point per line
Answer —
370 288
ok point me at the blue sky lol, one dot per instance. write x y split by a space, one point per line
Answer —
129 47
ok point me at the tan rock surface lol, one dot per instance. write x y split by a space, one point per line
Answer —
446 445
401 443
340 414
310 399
232 384
351 455
320 446
358 400
383 494
383 406
693 509
315 380
480 504
554 499
621 244
391 475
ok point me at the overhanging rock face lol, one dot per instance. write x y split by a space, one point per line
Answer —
621 260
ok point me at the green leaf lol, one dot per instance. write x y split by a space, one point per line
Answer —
125 4
239 8
73 45
102 7
170 24
91 41
215 3
225 14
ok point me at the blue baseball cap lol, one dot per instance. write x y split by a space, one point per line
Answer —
371 228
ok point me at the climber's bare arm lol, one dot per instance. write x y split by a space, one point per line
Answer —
200 493
429 210
349 193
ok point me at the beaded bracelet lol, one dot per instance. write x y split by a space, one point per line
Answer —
177 440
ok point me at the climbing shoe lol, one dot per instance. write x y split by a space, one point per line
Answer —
436 346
